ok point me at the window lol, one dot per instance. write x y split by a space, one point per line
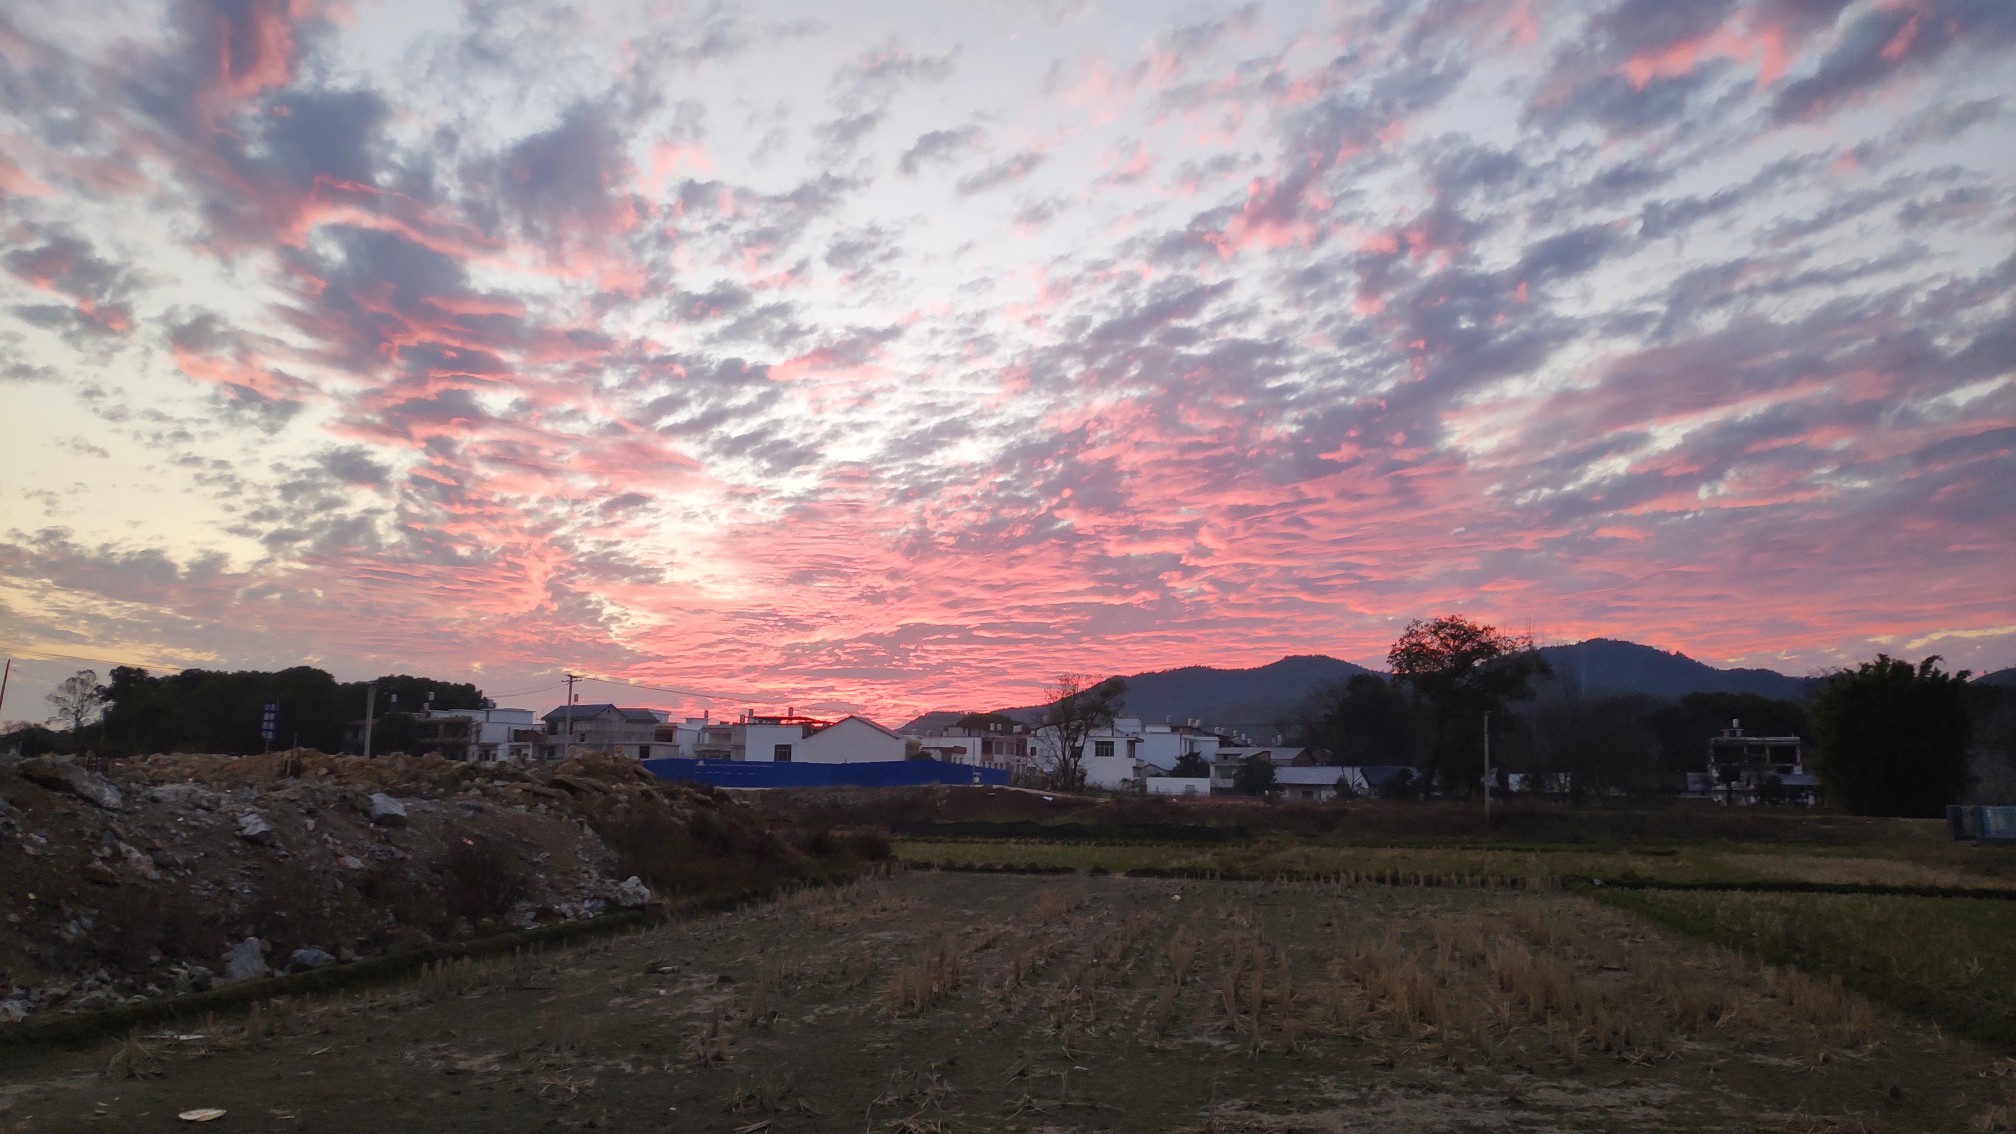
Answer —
781 753
1102 749
643 752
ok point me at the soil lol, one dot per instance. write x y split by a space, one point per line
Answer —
942 1002
133 880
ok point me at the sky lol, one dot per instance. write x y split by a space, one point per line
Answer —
903 356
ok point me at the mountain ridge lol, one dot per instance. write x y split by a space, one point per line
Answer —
1261 698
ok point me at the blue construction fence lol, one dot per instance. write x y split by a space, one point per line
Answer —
879 773
1985 824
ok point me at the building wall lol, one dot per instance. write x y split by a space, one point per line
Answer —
851 741
1178 785
760 741
1109 773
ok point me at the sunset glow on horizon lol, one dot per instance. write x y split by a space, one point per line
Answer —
904 359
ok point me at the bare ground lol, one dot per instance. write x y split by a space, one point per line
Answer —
932 1002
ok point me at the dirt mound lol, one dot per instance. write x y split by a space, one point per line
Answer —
168 873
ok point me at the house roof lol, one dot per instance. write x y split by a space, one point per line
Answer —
1376 774
1308 776
590 712
864 720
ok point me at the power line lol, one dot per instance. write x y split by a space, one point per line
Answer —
523 692
685 692
43 655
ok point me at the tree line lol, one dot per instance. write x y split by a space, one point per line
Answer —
1887 737
133 712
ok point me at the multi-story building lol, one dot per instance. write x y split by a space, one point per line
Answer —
1757 769
642 733
486 736
996 744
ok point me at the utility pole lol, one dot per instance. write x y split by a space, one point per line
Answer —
1487 771
370 707
568 719
4 675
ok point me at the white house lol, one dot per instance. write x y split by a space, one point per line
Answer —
1127 752
789 739
486 736
1003 746
1315 782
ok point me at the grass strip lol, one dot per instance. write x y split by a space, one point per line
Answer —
1883 889
1943 959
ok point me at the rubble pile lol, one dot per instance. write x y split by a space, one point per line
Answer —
170 874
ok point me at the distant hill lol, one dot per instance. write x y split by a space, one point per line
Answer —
935 721
1256 700
1253 700
1606 665
1999 677
1250 700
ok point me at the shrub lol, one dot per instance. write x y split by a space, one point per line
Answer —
481 877
820 844
871 846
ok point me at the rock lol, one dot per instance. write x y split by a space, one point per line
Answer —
386 811
245 961
67 776
253 828
632 893
13 1011
91 1001
98 872
193 978
139 863
349 862
309 958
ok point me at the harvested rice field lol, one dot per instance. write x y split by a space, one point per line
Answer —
952 1002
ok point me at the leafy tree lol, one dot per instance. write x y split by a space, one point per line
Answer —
1077 706
1893 737
1461 670
1681 730
78 700
1403 784
1363 720
1596 746
1192 766
215 711
1254 776
26 738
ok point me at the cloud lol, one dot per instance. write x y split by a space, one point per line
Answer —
937 147
872 364
1007 171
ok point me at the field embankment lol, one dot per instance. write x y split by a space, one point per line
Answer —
952 1002
169 875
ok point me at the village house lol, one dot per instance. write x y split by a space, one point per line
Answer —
1754 769
788 738
1127 753
618 731
996 744
486 736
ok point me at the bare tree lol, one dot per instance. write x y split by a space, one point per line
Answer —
78 700
1077 706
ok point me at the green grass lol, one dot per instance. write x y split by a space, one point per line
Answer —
1949 960
1733 863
